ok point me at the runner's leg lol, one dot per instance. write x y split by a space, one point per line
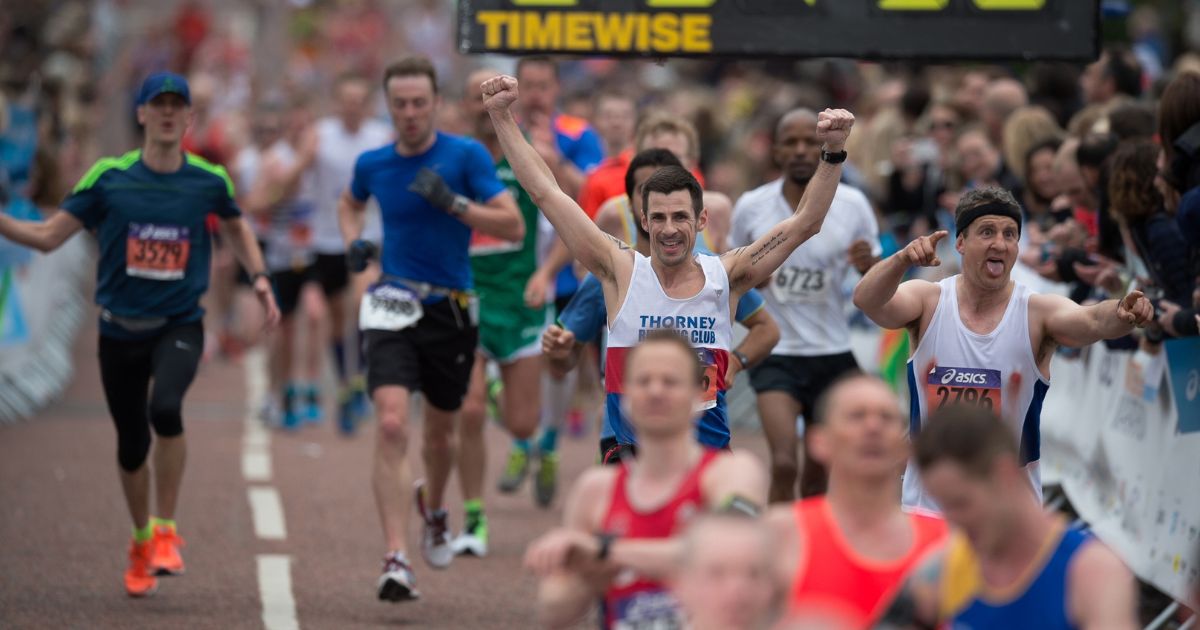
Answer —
175 361
391 478
125 374
472 451
778 410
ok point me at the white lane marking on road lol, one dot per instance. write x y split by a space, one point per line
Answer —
256 465
275 590
267 510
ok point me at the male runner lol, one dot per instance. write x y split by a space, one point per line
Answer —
585 316
283 195
723 581
672 288
616 121
509 333
618 540
147 209
972 331
805 297
840 557
571 149
1009 563
341 138
421 334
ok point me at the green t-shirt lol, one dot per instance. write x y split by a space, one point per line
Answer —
502 268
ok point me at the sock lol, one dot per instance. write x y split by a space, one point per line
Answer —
522 445
473 510
144 534
339 360
549 441
162 522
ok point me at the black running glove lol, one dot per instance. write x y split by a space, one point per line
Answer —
360 253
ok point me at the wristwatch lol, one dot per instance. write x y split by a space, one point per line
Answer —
261 274
833 157
460 205
742 358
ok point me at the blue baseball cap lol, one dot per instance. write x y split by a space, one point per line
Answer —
163 83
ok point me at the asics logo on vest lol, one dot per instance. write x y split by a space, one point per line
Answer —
964 377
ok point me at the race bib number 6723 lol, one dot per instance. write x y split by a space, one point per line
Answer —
958 385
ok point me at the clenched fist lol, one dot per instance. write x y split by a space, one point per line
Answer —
557 342
1135 309
499 93
833 128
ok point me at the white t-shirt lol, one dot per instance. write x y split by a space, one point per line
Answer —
805 295
337 150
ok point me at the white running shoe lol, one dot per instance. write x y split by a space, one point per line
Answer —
435 538
397 584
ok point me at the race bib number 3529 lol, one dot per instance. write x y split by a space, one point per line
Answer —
957 385
157 252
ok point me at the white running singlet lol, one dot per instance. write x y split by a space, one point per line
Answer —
289 232
976 369
805 296
337 150
703 320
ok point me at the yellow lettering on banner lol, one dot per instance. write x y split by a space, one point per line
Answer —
695 33
643 33
666 32
614 31
577 35
680 4
542 31
913 5
1010 5
493 23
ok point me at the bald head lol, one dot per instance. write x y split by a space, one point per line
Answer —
473 94
724 580
1001 98
800 114
854 385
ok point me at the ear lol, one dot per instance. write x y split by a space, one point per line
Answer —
702 220
645 220
958 241
141 115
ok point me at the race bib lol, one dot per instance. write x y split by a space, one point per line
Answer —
711 381
970 386
800 285
388 307
157 252
646 610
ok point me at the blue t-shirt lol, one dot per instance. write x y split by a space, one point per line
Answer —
580 144
154 245
587 318
420 242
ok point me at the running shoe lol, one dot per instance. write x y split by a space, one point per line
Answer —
397 584
291 418
435 538
546 481
473 541
139 581
164 551
312 405
359 399
270 414
514 471
347 416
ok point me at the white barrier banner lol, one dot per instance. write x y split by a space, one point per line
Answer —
1113 437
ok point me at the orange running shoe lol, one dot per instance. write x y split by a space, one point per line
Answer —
164 551
139 581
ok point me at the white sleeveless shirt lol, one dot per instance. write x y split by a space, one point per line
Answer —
976 369
703 320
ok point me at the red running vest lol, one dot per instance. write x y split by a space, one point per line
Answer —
633 601
835 583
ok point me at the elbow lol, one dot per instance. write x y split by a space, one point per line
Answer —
859 298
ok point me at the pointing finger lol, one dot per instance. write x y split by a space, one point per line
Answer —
938 235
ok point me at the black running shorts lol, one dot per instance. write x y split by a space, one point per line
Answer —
434 357
805 378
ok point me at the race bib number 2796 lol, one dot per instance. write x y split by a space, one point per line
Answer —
958 385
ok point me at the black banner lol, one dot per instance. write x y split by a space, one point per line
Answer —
863 29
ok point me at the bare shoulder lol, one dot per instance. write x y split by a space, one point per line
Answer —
595 482
1096 562
738 462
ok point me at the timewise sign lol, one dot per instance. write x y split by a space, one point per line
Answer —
864 29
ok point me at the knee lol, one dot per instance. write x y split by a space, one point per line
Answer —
474 411
393 427
133 445
166 415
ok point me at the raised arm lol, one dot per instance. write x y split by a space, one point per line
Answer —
44 236
882 297
599 253
752 265
1075 326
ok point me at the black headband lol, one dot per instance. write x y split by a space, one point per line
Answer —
999 208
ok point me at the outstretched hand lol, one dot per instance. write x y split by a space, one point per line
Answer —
1135 309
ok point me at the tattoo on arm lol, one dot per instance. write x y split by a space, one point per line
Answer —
620 244
776 241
